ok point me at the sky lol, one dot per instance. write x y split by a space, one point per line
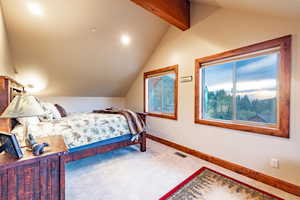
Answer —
256 77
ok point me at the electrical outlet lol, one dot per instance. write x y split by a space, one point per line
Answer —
274 163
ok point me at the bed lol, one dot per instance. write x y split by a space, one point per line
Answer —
85 134
122 139
48 170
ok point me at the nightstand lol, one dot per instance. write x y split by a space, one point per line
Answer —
34 177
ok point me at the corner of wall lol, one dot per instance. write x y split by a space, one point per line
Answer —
7 63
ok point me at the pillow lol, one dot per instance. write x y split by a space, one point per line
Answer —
51 113
61 110
28 120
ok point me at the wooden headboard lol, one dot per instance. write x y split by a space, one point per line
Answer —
9 88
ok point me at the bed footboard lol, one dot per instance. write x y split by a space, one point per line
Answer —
72 156
77 155
143 142
143 135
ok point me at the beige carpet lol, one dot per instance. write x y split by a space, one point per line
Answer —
128 174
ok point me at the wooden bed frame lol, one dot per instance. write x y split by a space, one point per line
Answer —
77 155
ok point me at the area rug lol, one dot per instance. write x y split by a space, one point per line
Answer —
207 184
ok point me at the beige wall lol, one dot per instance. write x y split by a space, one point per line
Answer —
215 30
85 104
6 65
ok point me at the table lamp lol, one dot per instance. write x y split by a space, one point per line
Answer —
23 106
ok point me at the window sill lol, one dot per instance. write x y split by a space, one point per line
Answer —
265 130
173 117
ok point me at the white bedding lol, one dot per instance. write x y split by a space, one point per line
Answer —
80 129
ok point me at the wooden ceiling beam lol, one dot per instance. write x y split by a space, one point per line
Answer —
175 12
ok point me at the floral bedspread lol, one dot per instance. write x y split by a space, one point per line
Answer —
80 129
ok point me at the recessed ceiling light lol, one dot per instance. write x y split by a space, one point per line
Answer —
35 9
125 39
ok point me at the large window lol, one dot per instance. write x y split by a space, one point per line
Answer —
246 89
161 92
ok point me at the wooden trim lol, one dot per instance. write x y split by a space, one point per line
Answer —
158 71
284 89
174 117
243 127
242 57
248 49
175 12
258 176
161 70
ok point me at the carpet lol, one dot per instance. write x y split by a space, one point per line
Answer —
207 184
128 174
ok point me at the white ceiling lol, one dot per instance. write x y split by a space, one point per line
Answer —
289 9
59 51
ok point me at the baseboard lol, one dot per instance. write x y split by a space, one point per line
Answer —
269 180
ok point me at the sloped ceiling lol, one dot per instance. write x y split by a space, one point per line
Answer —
73 48
289 9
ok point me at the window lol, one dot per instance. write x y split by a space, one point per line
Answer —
161 92
246 89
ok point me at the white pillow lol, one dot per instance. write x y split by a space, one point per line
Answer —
51 112
28 120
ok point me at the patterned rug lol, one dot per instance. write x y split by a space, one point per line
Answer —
207 184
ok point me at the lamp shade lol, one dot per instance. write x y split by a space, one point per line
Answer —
23 106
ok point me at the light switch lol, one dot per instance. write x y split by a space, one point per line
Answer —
274 163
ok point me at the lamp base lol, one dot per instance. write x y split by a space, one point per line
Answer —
25 136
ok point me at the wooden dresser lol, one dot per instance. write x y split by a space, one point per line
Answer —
34 177
9 88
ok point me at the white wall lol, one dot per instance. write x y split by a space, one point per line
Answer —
85 104
215 30
6 64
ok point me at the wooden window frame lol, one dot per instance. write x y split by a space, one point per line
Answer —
282 128
173 68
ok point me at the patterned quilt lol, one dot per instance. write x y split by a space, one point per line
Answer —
80 129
